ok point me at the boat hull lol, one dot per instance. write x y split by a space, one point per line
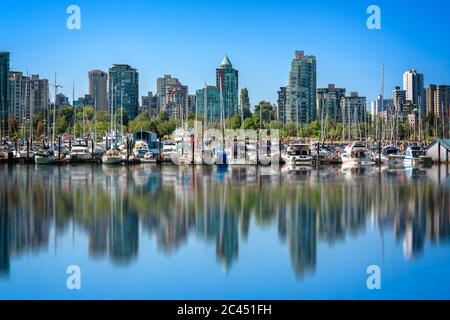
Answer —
111 160
44 160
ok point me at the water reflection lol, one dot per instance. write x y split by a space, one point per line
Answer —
115 205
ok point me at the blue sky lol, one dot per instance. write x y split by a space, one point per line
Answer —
189 38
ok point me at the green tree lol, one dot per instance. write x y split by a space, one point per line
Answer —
291 129
249 123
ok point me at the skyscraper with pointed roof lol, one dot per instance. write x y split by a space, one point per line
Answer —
228 85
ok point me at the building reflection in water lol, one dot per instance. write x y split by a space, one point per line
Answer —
114 205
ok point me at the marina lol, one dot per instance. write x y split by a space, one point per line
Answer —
144 147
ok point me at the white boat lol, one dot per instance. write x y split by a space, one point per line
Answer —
112 157
391 155
415 155
22 154
99 151
168 150
80 153
141 150
357 154
298 154
46 157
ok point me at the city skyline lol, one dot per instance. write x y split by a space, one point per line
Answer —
356 67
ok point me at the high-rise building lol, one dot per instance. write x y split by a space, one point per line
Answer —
172 96
98 88
227 81
177 100
85 101
149 104
442 101
399 100
161 89
37 94
124 89
62 100
430 93
379 105
192 103
281 105
353 108
329 103
26 94
301 89
208 103
413 84
4 70
16 96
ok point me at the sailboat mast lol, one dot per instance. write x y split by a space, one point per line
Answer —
74 113
296 115
112 108
121 111
30 107
205 101
95 116
54 113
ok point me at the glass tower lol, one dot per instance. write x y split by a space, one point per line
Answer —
227 83
124 89
301 90
209 104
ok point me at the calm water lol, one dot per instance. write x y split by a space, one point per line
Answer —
202 233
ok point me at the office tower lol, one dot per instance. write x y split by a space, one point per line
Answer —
208 104
301 89
98 88
281 104
399 100
329 103
4 70
124 89
353 108
414 86
442 102
430 94
227 81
